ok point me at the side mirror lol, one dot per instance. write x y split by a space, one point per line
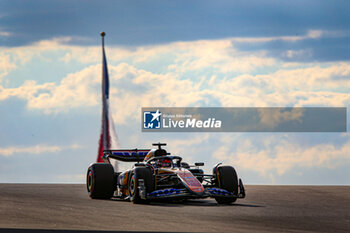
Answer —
199 164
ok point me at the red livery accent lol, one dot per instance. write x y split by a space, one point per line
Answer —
190 180
107 126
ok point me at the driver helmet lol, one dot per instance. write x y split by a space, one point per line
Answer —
164 163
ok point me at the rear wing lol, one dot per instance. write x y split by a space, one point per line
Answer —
126 155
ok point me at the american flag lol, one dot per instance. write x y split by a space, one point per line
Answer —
108 137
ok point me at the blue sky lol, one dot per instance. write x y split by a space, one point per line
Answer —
171 53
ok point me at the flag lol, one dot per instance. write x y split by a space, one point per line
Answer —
108 137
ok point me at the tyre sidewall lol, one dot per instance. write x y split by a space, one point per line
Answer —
100 181
133 185
227 180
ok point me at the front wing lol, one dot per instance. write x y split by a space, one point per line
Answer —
184 193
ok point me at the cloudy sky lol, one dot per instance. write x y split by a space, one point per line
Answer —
171 53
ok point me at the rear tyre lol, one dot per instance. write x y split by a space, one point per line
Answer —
227 180
134 192
100 181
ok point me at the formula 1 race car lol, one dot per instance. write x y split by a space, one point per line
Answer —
158 175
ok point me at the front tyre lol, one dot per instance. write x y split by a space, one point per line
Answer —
227 179
134 192
100 181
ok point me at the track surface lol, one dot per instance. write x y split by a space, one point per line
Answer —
67 208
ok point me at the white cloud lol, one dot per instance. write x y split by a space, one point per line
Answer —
27 91
297 54
139 88
41 49
220 54
6 65
4 33
314 34
311 34
75 90
278 158
310 85
194 55
217 55
188 145
37 149
314 86
274 117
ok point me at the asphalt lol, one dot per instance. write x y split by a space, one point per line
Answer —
60 208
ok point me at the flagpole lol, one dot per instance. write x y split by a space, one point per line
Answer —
102 142
108 134
103 39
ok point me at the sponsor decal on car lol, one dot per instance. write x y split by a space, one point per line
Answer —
191 182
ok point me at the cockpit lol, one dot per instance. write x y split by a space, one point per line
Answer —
156 152
165 161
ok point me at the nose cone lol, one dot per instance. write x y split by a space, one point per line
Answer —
190 182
